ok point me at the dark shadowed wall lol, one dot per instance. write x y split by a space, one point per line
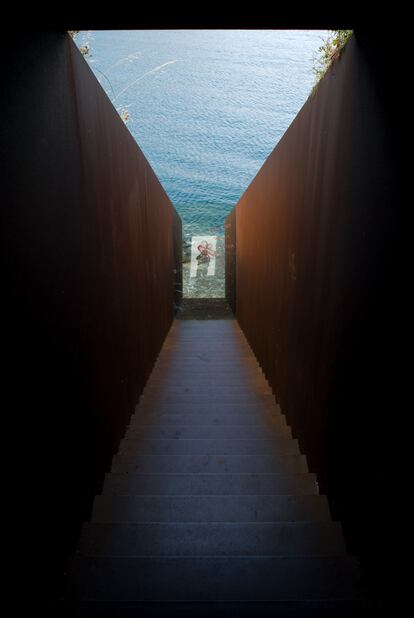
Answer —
92 242
315 287
230 257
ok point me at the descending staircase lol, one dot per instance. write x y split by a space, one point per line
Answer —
209 508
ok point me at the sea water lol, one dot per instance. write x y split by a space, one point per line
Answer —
206 107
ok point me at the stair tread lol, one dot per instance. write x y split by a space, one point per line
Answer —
205 403
207 411
210 578
166 417
210 484
203 539
208 446
213 508
211 380
176 389
209 463
319 608
210 431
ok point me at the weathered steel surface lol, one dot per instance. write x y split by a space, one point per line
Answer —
315 242
230 253
178 261
92 245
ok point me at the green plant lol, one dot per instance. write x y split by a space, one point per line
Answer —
124 113
329 51
84 49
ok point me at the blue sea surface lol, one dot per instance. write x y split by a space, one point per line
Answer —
206 107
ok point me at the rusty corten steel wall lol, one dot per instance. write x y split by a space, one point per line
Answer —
230 257
315 279
91 248
178 261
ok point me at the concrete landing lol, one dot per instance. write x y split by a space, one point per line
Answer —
204 309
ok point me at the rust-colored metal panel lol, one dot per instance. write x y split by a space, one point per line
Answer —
230 254
315 241
178 261
92 247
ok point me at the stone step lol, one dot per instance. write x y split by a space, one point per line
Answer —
199 346
206 383
207 431
320 608
239 369
194 419
227 338
229 341
200 369
225 371
202 348
230 338
206 326
234 578
231 335
210 484
235 464
208 446
189 387
212 358
218 398
203 391
154 416
210 329
221 400
263 402
206 407
217 508
231 329
200 374
246 365
207 539
174 362
206 352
